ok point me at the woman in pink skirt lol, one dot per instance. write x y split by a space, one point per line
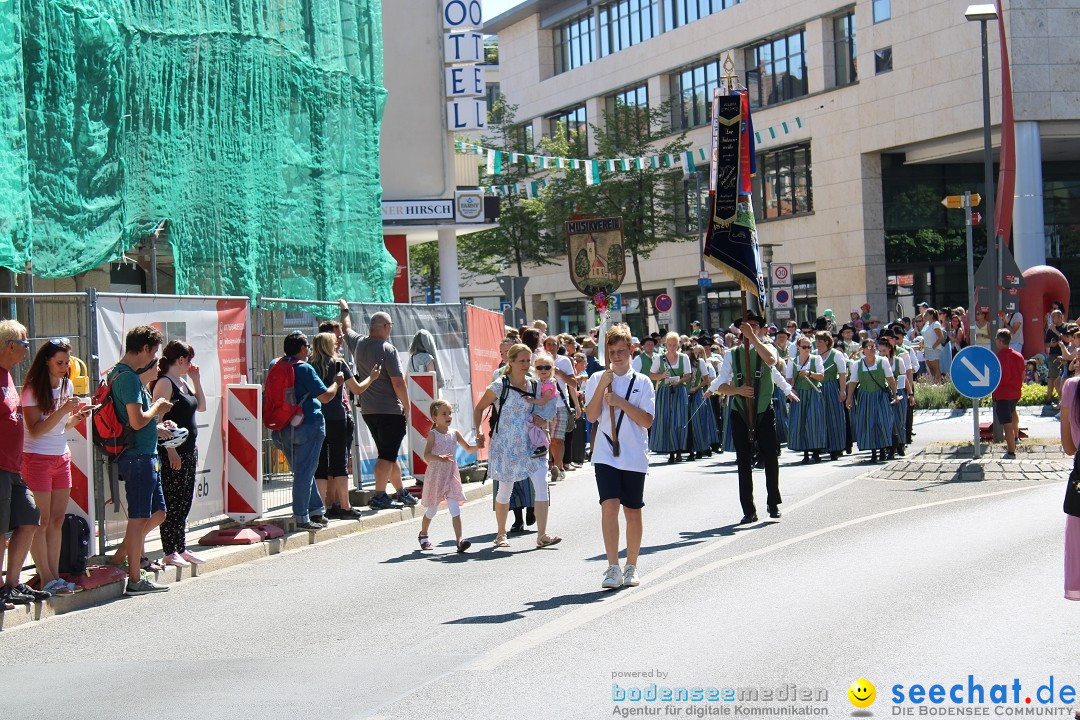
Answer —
1070 434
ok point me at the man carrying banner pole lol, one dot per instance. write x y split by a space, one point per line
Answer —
732 246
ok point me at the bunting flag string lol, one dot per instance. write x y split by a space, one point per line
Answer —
689 159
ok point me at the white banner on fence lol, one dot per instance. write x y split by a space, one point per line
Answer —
446 324
219 331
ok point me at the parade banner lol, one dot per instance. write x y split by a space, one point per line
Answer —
728 125
597 257
731 242
486 331
219 331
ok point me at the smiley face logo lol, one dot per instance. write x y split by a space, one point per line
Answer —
862 693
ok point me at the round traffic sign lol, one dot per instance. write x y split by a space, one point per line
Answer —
782 296
780 272
975 372
663 302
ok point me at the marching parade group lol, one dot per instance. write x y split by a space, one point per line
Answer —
819 389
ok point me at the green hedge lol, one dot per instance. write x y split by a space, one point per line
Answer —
945 397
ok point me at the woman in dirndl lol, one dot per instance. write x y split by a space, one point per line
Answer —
673 374
702 426
873 419
806 422
782 343
898 408
833 393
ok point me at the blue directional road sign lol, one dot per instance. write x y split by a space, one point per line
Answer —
975 372
615 301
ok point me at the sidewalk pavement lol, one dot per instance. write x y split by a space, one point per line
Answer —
220 557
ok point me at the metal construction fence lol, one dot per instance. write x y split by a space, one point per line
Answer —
234 341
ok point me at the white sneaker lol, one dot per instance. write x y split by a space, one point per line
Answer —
631 577
562 475
613 578
175 560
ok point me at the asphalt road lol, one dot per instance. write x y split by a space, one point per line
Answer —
897 582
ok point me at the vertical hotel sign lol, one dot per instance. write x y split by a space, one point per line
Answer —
463 51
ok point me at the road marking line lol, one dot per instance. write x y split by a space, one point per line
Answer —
587 613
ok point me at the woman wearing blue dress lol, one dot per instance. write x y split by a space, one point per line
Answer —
702 426
672 375
873 419
833 393
806 422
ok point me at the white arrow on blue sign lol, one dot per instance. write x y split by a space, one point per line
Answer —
975 372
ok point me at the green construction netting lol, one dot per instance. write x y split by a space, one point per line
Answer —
250 126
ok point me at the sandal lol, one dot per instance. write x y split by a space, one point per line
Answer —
146 563
425 544
463 545
548 540
501 541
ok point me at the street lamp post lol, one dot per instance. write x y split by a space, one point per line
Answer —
983 14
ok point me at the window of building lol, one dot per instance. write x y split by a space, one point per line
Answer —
693 89
680 12
569 121
782 185
523 137
492 94
686 209
882 60
574 43
776 69
844 52
882 10
627 22
627 114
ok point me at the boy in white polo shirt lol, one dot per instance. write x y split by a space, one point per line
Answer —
620 402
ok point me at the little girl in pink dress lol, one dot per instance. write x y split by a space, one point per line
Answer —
442 481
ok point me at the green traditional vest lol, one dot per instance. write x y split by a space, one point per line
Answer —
695 377
871 380
669 369
832 372
739 377
646 364
802 383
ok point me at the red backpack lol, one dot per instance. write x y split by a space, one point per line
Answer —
110 435
279 394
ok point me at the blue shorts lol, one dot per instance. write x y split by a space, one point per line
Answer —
626 486
142 477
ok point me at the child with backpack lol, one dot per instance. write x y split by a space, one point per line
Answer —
442 480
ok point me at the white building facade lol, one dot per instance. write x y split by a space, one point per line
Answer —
868 112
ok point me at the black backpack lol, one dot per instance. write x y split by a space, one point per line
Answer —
74 544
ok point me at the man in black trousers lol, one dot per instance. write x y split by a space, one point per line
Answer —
751 381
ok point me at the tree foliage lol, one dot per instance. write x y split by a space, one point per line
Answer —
646 198
518 240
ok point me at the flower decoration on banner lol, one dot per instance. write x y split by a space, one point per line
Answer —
600 298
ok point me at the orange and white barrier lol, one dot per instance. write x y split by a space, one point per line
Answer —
81 501
421 389
243 459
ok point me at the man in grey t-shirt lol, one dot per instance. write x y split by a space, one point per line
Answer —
383 407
